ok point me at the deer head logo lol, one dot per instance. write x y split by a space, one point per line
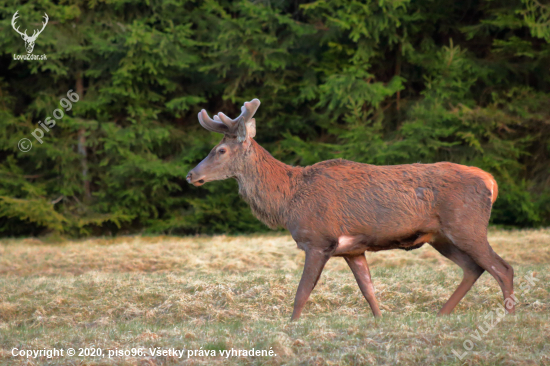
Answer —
29 41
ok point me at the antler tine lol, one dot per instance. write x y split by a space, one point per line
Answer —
15 16
44 24
251 108
214 125
247 112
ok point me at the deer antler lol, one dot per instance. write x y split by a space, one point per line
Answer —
247 112
15 16
44 26
223 124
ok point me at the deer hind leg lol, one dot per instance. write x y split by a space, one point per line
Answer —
500 270
481 252
315 262
471 272
360 269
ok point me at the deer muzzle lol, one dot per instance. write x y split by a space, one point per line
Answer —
195 179
29 46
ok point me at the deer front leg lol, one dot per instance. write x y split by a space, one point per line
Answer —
315 262
360 269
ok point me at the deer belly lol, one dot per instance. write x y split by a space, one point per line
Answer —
353 245
349 245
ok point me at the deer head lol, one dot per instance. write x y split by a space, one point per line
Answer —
228 157
29 41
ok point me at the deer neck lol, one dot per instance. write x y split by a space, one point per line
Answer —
267 184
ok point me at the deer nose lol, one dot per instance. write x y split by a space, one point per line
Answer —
194 179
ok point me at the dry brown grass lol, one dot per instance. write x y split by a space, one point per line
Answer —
236 292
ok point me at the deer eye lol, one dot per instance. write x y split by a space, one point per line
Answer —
221 151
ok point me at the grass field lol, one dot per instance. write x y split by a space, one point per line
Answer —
222 293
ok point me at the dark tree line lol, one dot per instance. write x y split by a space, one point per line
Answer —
380 82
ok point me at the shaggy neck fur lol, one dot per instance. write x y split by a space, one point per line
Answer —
267 185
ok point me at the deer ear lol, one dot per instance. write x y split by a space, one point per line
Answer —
251 128
246 130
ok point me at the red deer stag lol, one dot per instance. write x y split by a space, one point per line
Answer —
340 208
